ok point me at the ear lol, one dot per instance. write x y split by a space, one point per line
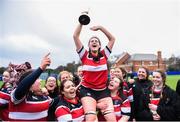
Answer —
62 92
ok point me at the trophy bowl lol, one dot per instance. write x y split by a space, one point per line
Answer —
84 19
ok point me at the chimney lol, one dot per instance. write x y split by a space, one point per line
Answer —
159 59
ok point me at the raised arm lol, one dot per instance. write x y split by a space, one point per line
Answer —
27 82
110 37
76 36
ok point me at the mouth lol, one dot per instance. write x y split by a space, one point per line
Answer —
111 85
156 83
94 46
141 76
51 86
72 92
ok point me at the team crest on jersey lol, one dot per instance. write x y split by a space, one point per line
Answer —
72 105
88 94
34 97
116 102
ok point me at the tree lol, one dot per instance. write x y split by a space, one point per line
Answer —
173 63
2 69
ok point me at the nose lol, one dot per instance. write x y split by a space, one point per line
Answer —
112 81
72 88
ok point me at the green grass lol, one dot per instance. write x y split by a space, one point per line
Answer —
170 81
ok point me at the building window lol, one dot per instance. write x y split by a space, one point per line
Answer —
150 63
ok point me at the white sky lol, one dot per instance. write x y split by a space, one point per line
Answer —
31 28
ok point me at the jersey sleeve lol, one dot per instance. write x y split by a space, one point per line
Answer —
13 98
63 114
106 52
82 52
125 108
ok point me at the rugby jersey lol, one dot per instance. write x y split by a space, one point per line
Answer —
4 101
67 110
31 107
121 107
127 91
156 97
95 74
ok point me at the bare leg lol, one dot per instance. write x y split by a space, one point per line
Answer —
108 111
89 106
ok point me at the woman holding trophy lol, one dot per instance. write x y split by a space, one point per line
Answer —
93 89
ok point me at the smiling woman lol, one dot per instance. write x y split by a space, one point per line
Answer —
164 102
28 95
69 107
93 88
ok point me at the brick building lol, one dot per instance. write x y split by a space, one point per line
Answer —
133 62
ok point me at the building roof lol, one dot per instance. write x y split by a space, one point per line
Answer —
143 57
122 55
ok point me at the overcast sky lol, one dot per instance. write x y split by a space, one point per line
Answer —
32 28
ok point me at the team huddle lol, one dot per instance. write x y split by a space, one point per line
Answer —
90 95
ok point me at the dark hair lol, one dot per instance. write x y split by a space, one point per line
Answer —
95 58
76 79
28 65
96 38
163 75
120 90
3 81
146 70
61 88
124 72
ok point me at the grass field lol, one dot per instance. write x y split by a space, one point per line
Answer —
170 81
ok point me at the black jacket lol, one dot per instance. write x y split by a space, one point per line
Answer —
169 105
178 87
141 91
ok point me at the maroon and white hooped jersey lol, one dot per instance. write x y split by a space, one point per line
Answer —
121 107
68 110
30 108
4 101
127 91
156 97
95 74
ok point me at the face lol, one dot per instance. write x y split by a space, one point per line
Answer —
142 73
51 83
6 77
69 90
80 72
157 79
112 73
36 87
114 84
65 76
94 44
118 73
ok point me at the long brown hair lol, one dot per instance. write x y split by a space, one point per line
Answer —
61 88
163 75
146 70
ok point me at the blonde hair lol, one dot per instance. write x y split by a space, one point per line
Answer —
66 72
